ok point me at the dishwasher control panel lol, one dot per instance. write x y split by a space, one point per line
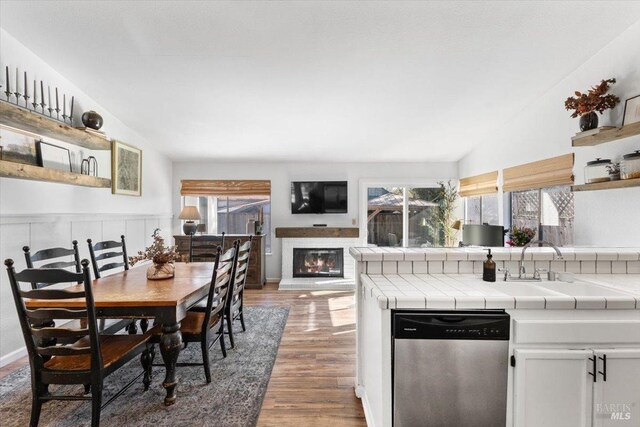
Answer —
451 325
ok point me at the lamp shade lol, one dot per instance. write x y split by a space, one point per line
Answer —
190 213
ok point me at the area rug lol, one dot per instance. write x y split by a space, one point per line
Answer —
233 398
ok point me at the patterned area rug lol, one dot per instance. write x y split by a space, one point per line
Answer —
233 398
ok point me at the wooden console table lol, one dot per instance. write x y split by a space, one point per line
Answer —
256 276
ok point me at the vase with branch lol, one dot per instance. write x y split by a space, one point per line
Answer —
587 104
161 255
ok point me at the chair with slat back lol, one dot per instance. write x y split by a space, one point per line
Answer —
109 255
235 301
198 325
203 249
89 358
62 257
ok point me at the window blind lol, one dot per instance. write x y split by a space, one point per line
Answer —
479 185
544 173
207 187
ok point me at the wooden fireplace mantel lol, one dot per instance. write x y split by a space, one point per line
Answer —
313 232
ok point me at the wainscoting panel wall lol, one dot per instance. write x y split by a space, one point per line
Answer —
59 230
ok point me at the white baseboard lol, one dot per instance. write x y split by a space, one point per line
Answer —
368 416
13 356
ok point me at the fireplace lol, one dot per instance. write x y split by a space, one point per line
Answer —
318 262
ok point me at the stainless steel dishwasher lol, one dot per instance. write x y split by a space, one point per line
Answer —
450 368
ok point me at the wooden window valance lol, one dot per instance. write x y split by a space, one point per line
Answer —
479 185
207 187
540 174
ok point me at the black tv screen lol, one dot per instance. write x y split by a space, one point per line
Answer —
319 197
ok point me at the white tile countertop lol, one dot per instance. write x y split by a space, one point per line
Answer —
499 254
468 291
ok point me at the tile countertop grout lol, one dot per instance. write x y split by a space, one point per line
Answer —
468 291
499 254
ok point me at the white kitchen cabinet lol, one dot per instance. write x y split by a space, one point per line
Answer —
616 396
552 388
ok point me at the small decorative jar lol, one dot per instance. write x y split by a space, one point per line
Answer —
597 171
630 165
161 271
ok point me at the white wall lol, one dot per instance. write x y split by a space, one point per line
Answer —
43 214
544 129
281 175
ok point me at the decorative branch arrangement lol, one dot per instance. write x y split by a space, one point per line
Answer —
46 108
157 252
594 100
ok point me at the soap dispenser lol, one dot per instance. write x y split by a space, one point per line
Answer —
489 269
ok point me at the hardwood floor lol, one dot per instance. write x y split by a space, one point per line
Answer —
312 380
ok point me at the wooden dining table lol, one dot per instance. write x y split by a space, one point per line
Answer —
130 295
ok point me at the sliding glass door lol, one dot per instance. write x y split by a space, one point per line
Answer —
402 216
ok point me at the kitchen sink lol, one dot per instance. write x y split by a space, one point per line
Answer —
580 289
516 289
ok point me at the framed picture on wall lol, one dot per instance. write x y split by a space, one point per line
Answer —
126 169
631 111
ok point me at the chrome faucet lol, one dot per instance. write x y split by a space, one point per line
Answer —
521 269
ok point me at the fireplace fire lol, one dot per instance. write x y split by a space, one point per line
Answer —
323 262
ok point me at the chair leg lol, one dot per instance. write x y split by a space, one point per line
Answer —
132 328
230 329
223 346
96 403
87 388
205 357
36 407
146 358
144 325
244 328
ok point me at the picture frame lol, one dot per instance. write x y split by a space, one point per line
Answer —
631 111
126 169
53 156
17 146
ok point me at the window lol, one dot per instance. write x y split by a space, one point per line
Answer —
231 213
481 210
403 216
548 210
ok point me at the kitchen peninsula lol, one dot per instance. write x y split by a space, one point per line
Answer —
570 348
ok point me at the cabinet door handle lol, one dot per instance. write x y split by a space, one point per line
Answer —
594 374
604 367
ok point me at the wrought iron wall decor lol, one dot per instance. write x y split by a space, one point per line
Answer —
20 96
89 166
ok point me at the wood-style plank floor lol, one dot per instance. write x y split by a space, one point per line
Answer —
312 380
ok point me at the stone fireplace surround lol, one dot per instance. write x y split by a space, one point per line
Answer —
317 241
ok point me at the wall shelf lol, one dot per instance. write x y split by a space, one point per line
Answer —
20 118
607 185
607 135
37 173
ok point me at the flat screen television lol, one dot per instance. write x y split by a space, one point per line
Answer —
319 197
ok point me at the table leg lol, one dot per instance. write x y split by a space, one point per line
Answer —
170 345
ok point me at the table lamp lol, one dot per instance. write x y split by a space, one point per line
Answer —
190 214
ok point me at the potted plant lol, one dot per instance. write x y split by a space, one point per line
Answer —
161 255
585 105
614 171
445 212
520 236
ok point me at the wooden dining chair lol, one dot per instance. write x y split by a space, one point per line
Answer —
87 360
207 326
62 257
203 248
111 251
235 303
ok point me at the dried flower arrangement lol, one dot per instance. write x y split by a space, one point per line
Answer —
157 252
614 170
520 236
594 100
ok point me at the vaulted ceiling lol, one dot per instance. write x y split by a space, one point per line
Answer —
332 81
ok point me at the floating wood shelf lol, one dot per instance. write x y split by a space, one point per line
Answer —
607 185
607 135
308 232
26 120
37 173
